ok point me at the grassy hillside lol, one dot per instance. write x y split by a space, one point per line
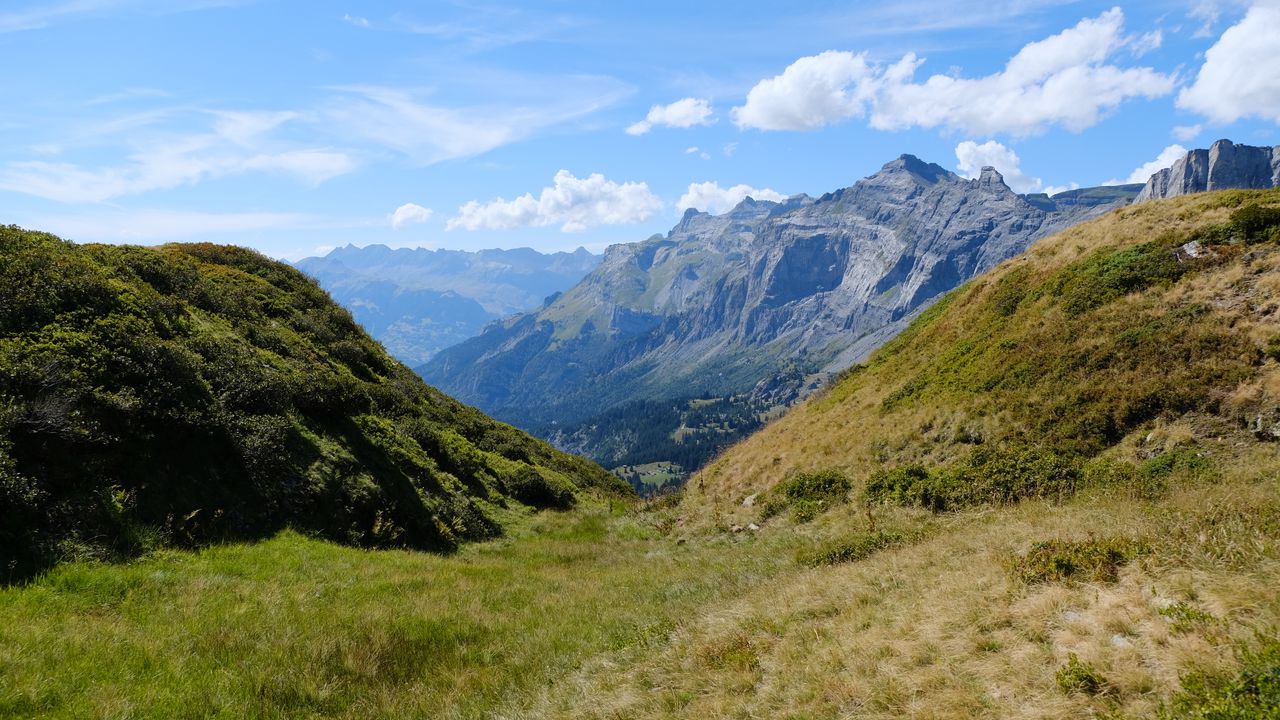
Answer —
190 393
1057 495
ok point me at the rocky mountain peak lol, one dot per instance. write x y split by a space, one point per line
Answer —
1222 166
929 172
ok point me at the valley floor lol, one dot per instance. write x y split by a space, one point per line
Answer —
606 612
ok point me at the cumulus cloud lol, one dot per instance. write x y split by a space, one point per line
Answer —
680 114
1240 76
1062 80
408 214
710 197
574 203
1143 172
972 157
812 92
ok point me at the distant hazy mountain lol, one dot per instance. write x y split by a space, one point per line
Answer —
1224 166
758 303
418 301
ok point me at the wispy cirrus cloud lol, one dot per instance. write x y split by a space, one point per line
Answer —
409 122
37 16
235 142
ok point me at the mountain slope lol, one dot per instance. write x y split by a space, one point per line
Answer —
765 295
417 302
188 393
1155 312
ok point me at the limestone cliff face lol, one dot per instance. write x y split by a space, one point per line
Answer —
723 303
1223 166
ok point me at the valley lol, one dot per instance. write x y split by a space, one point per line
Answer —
939 532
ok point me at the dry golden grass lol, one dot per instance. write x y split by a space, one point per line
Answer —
940 629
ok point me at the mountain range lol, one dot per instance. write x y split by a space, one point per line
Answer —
758 305
417 302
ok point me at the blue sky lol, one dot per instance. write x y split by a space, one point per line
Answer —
294 127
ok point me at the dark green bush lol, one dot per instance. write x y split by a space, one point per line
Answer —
1256 224
1081 677
806 494
1252 694
536 487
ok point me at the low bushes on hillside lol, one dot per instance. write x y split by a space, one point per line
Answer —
806 494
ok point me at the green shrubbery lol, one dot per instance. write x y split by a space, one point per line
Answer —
989 474
806 494
190 393
1251 694
1081 677
851 549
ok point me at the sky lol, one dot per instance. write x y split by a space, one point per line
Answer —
295 127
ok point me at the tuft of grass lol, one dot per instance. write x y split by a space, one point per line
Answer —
1094 560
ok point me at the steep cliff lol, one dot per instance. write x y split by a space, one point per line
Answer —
1223 166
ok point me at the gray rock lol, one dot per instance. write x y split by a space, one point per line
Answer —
1223 166
769 296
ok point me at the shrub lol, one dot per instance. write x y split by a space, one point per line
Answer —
539 488
996 475
1256 224
1253 693
1077 676
1188 458
1112 274
1066 561
1185 618
850 549
806 494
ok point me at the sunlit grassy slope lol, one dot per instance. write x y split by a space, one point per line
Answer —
1057 495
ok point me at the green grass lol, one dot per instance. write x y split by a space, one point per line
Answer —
296 627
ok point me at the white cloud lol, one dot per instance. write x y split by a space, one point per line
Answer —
574 203
1205 11
408 214
710 197
1062 80
680 114
730 149
1240 76
1052 190
1187 132
972 157
1145 43
355 20
174 162
812 92
691 150
1142 173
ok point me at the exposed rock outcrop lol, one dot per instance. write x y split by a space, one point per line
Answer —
724 302
1223 166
